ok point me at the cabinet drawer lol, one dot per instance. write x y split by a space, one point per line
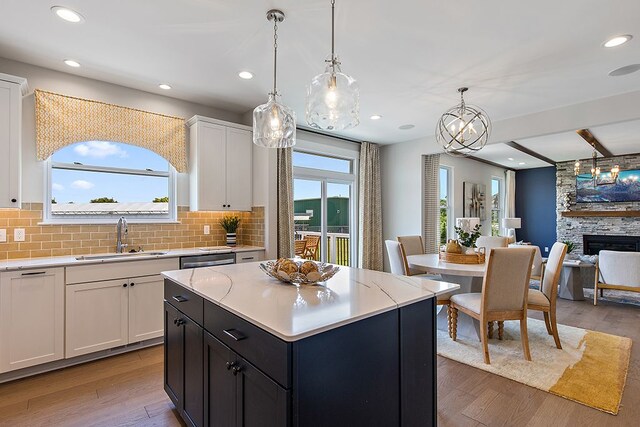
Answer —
249 256
184 300
268 353
119 270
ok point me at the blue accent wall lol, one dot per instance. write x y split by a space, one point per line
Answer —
536 206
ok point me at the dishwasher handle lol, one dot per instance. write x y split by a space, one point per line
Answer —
195 264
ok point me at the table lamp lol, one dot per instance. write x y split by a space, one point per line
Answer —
510 224
467 224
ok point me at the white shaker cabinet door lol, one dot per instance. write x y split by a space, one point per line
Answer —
146 308
97 316
31 318
239 166
10 129
208 167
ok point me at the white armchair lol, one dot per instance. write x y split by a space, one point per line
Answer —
617 270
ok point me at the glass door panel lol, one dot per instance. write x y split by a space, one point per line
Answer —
308 221
338 218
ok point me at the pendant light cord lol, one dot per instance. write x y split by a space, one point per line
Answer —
333 30
275 55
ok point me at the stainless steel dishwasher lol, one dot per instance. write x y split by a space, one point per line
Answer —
208 260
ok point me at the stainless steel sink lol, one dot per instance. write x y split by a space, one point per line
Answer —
111 256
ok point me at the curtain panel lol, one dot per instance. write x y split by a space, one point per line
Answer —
285 203
431 202
370 215
64 120
509 195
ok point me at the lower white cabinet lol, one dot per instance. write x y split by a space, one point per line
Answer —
31 318
111 313
249 256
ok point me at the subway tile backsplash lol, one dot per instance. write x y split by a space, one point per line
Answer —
61 240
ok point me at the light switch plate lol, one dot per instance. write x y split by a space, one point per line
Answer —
3 235
546 248
18 235
207 229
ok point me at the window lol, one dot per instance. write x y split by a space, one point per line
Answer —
325 206
496 205
445 203
103 180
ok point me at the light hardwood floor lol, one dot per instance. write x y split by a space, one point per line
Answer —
126 390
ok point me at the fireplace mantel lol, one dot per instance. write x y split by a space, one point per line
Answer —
610 214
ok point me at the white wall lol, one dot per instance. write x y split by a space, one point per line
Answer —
69 84
401 166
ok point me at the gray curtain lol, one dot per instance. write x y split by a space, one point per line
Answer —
285 203
431 202
371 255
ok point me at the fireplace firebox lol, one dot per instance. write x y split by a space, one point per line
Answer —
593 244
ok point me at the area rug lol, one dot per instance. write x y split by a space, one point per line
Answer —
591 368
612 295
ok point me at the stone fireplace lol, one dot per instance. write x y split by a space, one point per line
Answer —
593 244
574 229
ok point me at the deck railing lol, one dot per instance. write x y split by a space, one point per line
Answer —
338 247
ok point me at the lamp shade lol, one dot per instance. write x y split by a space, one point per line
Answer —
467 223
511 223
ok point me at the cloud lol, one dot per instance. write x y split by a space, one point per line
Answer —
81 184
99 149
57 187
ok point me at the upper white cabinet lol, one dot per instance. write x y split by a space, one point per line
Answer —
31 318
11 91
220 165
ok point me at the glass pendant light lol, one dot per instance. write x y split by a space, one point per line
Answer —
274 124
333 98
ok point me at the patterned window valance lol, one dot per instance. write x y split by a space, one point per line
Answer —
64 120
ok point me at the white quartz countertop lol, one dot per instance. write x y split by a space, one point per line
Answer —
292 313
68 261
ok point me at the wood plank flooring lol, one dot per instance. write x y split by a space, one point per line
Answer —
126 390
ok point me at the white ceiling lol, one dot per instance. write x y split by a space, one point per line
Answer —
409 56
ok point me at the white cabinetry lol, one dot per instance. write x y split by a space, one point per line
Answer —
103 314
220 162
11 91
249 256
31 318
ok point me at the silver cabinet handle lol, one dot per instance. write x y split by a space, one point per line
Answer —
35 273
236 335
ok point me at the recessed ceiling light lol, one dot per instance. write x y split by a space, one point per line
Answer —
245 75
522 163
623 71
406 127
617 40
67 14
164 86
72 63
510 159
376 117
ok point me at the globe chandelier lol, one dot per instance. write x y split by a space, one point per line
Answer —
463 129
333 98
274 124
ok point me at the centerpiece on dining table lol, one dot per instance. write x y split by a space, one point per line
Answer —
463 250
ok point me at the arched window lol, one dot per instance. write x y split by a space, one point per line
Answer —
96 181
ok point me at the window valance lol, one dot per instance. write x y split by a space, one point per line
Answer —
64 120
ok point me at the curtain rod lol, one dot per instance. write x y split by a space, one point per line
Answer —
330 135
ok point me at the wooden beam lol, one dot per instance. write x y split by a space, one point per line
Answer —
531 153
489 162
593 141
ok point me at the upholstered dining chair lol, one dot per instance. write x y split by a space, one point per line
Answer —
490 242
504 296
617 270
538 266
412 245
545 299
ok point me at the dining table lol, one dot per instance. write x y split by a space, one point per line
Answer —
468 276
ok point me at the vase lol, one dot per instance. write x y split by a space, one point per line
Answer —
231 239
468 250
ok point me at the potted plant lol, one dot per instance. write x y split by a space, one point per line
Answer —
570 248
468 238
230 225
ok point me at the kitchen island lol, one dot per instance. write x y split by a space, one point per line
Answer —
243 349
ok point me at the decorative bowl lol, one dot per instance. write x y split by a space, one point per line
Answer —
324 273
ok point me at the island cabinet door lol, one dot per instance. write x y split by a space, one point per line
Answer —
173 355
193 407
220 383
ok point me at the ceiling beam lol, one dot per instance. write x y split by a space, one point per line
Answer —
529 152
489 162
593 141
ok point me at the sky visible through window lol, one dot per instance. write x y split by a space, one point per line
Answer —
307 189
443 183
82 186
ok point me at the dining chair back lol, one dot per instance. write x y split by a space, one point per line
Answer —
549 285
491 242
506 281
397 259
300 246
412 245
538 266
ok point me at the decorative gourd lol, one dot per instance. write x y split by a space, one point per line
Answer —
453 247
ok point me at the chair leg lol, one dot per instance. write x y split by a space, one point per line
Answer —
601 292
547 323
454 323
490 333
595 293
554 327
500 329
524 336
485 345
449 319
